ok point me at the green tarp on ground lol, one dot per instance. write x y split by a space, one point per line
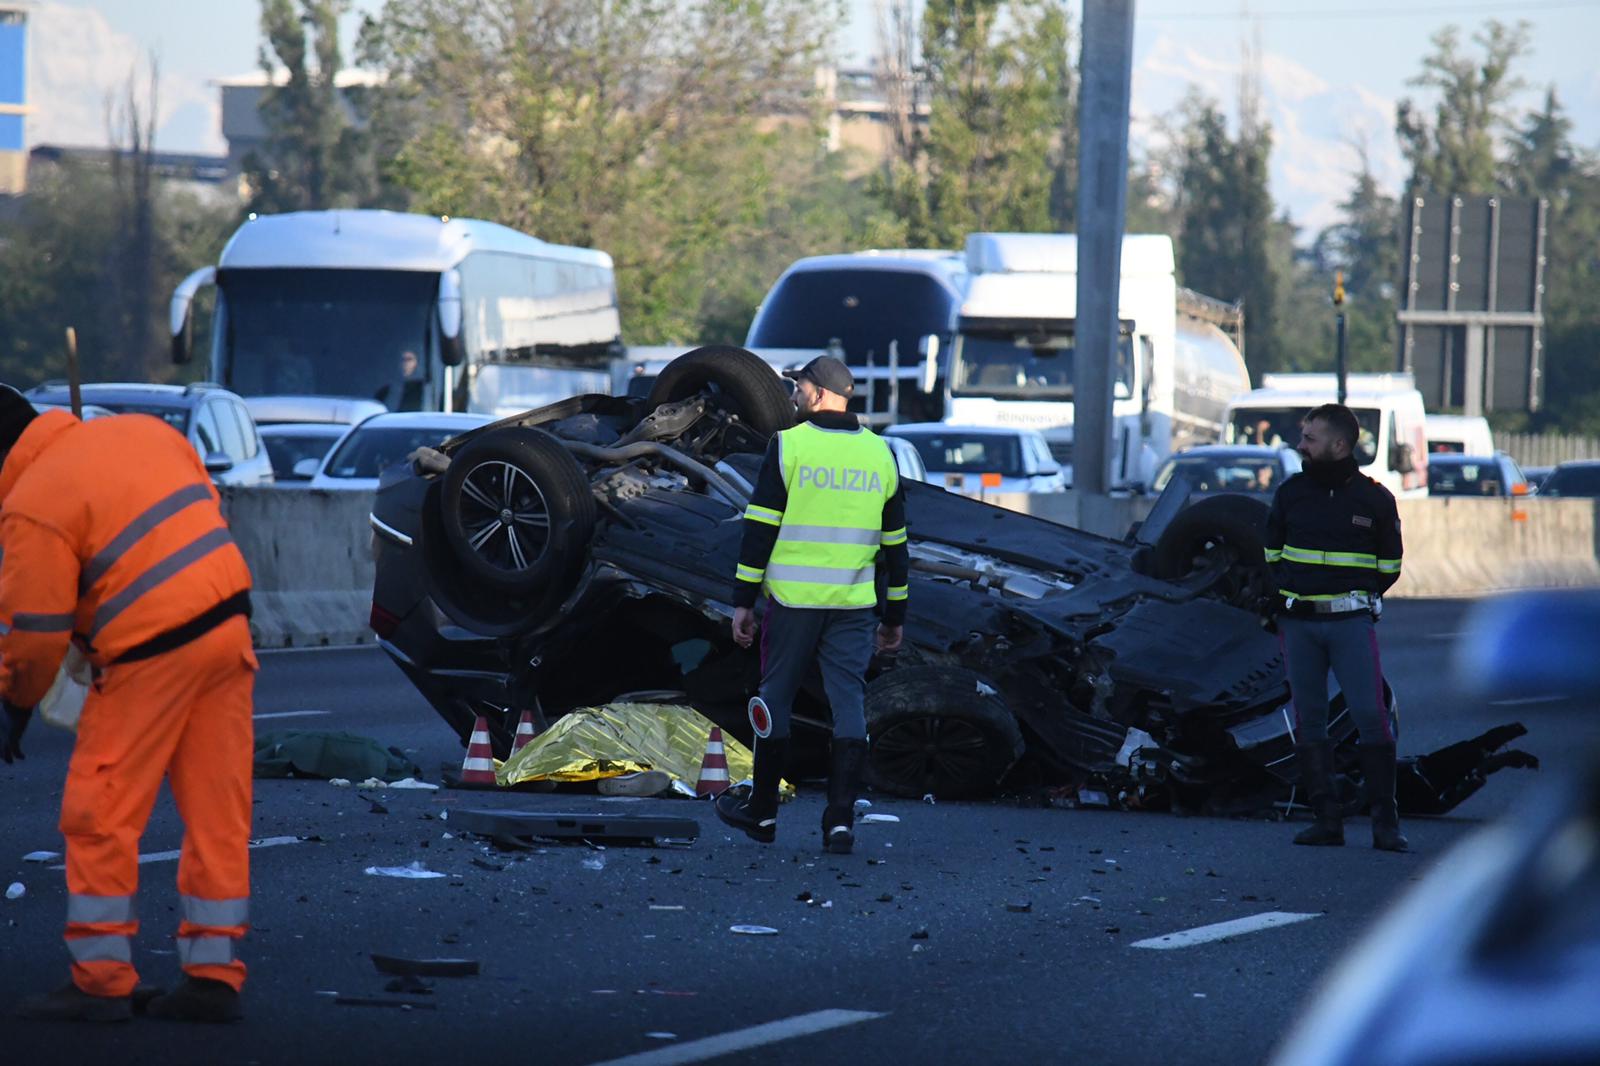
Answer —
305 753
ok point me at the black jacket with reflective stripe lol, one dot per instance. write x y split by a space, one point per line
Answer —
1325 541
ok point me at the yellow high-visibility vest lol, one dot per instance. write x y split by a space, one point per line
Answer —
830 531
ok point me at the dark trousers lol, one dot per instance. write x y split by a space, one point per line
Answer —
1349 647
839 641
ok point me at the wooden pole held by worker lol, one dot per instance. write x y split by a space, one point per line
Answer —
73 379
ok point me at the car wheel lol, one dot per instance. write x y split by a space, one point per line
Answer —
939 730
517 512
745 385
1225 533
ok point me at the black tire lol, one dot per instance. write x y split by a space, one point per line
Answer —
1231 529
745 385
940 730
536 541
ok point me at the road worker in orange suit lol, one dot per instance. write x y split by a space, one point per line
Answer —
113 539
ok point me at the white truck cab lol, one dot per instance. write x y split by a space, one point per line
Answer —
1012 364
1393 448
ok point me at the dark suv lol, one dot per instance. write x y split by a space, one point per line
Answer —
214 419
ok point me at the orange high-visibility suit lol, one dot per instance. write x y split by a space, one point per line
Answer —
113 537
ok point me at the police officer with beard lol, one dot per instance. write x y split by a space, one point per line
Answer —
826 503
1333 541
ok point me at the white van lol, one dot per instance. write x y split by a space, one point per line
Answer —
1393 446
1460 435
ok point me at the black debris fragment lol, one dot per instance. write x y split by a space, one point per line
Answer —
403 967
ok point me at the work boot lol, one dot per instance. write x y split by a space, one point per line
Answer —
69 1003
753 808
1378 771
844 783
198 999
1316 777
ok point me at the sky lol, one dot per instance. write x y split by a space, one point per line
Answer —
1331 71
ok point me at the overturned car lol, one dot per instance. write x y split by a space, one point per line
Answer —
585 551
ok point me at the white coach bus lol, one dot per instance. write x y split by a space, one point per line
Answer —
418 312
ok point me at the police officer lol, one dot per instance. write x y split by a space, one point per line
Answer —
1333 539
826 501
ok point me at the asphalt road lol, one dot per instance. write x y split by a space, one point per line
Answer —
962 933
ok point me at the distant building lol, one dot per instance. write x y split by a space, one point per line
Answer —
203 173
241 108
13 97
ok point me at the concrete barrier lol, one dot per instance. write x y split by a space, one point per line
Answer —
1455 546
1461 546
310 555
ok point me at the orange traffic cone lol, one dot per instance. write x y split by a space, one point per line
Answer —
714 767
478 767
525 732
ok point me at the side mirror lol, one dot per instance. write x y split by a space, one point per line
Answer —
1403 459
179 320
306 469
929 348
218 463
1049 469
452 347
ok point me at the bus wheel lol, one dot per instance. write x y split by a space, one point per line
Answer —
517 512
1224 534
744 385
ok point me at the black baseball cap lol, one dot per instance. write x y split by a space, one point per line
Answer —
826 372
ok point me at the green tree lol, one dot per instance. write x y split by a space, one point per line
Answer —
1365 246
1455 152
676 136
318 152
1225 246
1000 151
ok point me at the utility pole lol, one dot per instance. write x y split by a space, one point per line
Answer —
1339 363
1106 72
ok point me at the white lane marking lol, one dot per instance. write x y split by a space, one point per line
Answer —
1221 930
1527 700
743 1039
170 856
289 714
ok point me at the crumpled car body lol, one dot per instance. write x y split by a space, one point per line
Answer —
1035 654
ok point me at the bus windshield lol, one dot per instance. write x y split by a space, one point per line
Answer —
863 310
1032 363
359 333
1280 426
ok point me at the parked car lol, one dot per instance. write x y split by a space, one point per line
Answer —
90 410
1250 469
907 459
587 549
216 422
1475 475
1578 477
358 458
972 459
289 444
337 410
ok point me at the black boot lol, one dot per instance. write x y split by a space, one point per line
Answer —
198 999
754 808
69 1003
1316 777
844 783
1378 771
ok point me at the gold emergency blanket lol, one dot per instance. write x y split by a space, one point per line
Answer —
589 743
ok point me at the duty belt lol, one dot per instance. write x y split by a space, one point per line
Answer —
1350 601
